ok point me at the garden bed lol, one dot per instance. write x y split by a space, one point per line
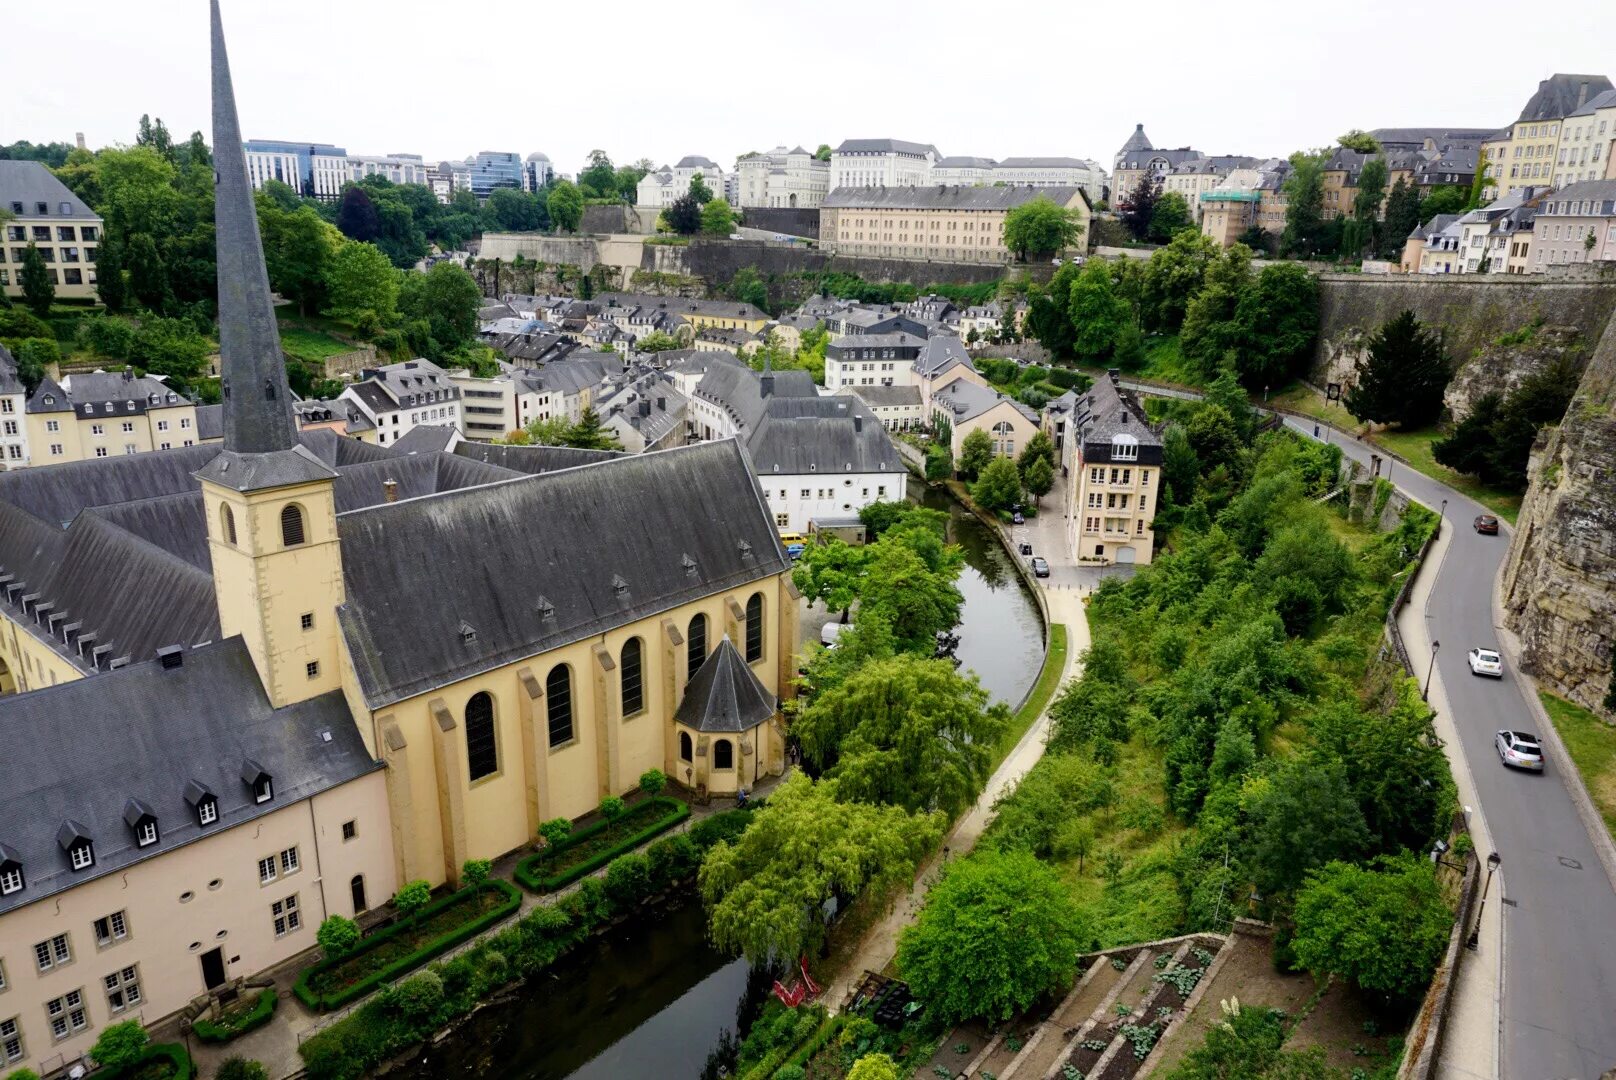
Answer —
161 1061
239 1017
593 847
406 945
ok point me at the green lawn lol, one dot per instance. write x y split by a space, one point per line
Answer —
1165 362
1415 448
1042 691
1303 399
1592 745
311 346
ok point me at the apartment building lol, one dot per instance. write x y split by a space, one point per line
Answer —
781 178
317 170
1574 225
1139 161
1586 139
876 163
1532 155
397 397
537 171
106 414
1193 178
951 224
48 217
397 168
660 188
1497 238
1115 476
1023 172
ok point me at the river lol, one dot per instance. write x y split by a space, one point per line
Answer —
651 1000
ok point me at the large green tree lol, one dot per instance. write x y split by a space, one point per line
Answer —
1383 926
683 215
1279 316
1366 205
1304 206
587 433
510 210
447 297
999 486
38 291
831 572
109 280
717 219
1097 312
1402 377
976 450
361 279
1039 228
766 891
1170 217
1173 277
918 600
1213 334
1138 207
998 932
299 246
566 206
905 731
599 177
1301 817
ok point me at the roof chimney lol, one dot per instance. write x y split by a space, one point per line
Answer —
390 490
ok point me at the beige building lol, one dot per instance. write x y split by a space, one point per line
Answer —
1115 477
43 214
107 414
1586 139
1534 145
1226 213
969 406
947 224
782 178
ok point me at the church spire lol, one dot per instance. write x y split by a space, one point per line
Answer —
257 402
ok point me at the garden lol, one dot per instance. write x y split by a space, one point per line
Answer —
568 856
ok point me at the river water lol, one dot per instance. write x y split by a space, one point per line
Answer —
650 1000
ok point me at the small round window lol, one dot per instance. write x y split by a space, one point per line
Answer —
222 934
195 945
187 896
213 885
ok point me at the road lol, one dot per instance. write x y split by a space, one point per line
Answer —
1558 1014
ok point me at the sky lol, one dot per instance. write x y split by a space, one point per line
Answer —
661 81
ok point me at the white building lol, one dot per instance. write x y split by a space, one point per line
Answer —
13 402
537 171
781 178
314 169
398 168
659 189
398 397
882 163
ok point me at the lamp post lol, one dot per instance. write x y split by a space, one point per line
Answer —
1424 694
1475 932
1442 516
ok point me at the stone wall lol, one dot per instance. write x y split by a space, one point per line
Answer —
1473 309
579 251
1560 577
779 219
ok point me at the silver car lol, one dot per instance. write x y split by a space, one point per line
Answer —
1519 749
1486 662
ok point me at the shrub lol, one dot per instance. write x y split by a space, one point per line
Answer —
726 825
671 859
337 935
612 807
420 996
108 337
652 781
240 1068
412 898
474 873
597 845
555 831
873 1067
628 880
229 1028
120 1045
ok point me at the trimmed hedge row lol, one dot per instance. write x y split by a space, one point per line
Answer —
173 1053
530 871
256 1017
335 999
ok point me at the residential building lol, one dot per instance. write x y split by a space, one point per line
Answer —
247 705
1433 248
877 163
1573 225
1227 212
724 314
1493 237
1535 137
1341 172
1586 138
45 215
316 170
821 460
13 404
312 414
941 362
106 414
396 397
898 408
1139 161
872 360
1193 178
947 224
1393 140
982 322
492 169
644 411
1023 172
963 170
661 187
396 168
781 178
970 406
1115 477
537 172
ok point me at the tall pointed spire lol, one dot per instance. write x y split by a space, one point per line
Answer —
257 401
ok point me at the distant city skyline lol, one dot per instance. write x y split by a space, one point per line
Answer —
966 79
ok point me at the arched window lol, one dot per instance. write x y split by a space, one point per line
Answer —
291 525
227 524
723 754
558 704
633 677
482 754
754 628
1004 439
695 645
686 752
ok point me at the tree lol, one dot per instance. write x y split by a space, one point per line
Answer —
657 341
1384 926
1180 465
587 434
1479 181
1304 206
1138 207
612 808
357 216
916 599
1173 277
1402 217
1039 228
169 347
831 571
555 831
148 279
1402 378
510 210
34 356
599 177
298 249
361 279
337 935
1170 217
904 731
766 890
121 1046
1038 477
109 283
474 873
652 781
999 485
448 298
1366 205
412 898
1212 332
1442 200
823 153
1361 141
874 1067
718 219
683 216
566 205
699 190
1039 446
1301 817
38 291
1098 314
997 933
976 450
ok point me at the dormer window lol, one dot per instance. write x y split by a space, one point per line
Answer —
1124 448
203 802
11 877
130 405
75 840
140 818
256 778
50 399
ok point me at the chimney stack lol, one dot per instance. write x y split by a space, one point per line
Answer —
390 490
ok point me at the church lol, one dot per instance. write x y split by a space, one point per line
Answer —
254 685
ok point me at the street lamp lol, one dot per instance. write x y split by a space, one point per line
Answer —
1443 516
1435 645
1475 932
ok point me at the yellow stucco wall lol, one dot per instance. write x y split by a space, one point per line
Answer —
78 439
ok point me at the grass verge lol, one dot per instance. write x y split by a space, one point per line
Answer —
1415 448
1042 691
311 346
1300 398
1592 745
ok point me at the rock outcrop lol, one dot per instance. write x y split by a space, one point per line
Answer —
1501 365
1560 577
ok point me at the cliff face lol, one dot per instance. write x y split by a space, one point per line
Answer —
1560 577
1501 367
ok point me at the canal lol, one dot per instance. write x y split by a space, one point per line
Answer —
651 1000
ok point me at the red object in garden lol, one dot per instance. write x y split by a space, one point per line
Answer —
789 998
808 980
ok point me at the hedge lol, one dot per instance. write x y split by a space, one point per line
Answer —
530 871
256 1017
335 999
173 1053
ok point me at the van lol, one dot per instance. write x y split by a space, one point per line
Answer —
831 631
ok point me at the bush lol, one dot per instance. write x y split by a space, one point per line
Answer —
652 781
420 997
873 1067
671 859
726 825
337 935
474 873
412 898
108 337
555 831
628 881
224 1030
240 1068
120 1045
539 872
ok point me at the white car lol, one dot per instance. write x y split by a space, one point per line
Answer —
1486 662
1519 749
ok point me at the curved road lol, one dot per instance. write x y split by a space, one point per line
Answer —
1558 1014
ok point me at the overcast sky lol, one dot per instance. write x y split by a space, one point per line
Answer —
446 79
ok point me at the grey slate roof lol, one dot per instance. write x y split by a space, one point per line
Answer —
416 475
821 435
1043 163
1108 411
965 163
1561 95
9 382
941 353
944 197
31 183
1137 141
427 438
887 396
1565 201
965 399
175 523
1603 100
739 390
209 422
696 161
56 493
256 471
725 696
532 460
884 146
80 751
624 518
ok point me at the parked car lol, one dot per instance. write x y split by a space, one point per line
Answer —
831 633
1486 662
1025 549
1519 750
1018 518
1040 566
1486 524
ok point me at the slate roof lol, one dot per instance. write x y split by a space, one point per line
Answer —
209 422
696 161
526 589
696 361
887 396
83 749
739 390
1137 141
1416 136
944 197
1561 203
965 163
30 183
965 399
1043 163
884 146
427 438
56 493
1108 411
1603 100
532 460
416 475
1561 95
725 696
941 353
9 382
821 435
175 523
